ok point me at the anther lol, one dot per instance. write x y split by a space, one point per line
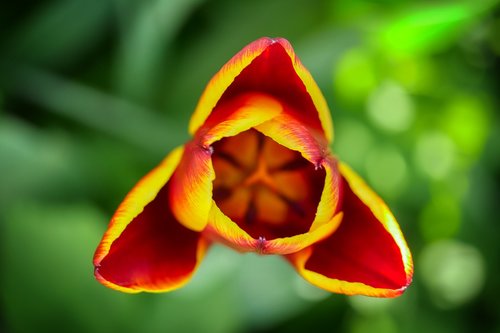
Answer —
261 245
208 149
319 164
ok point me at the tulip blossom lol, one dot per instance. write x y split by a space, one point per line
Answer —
257 176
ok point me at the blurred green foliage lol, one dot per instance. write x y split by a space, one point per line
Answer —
94 93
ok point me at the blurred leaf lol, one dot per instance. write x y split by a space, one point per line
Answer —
147 32
380 323
356 10
60 32
493 39
226 28
428 28
57 165
49 284
355 76
467 122
97 110
322 50
33 163
267 290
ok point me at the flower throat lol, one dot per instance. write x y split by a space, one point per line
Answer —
269 190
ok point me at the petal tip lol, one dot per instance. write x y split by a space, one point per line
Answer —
274 56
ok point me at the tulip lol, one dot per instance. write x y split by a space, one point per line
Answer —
257 176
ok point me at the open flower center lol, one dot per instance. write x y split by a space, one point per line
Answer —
269 190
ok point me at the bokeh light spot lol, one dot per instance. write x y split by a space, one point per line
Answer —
387 170
435 154
353 142
441 217
466 121
390 107
416 74
453 272
355 77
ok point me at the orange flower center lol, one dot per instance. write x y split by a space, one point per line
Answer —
269 190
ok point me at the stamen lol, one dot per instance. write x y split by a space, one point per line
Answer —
261 245
319 164
208 149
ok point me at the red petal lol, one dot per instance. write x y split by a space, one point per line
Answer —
267 66
190 193
191 190
240 114
286 132
290 133
222 229
366 255
145 247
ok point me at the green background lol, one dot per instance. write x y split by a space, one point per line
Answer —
93 93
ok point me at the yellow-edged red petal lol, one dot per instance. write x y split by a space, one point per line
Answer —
238 115
290 133
287 245
223 79
190 193
221 228
313 90
145 248
366 255
191 189
328 206
267 66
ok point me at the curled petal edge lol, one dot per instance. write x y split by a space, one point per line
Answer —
223 229
291 134
380 211
143 193
299 260
227 74
313 90
331 196
191 189
135 204
203 245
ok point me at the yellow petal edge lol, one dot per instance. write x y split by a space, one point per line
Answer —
226 75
